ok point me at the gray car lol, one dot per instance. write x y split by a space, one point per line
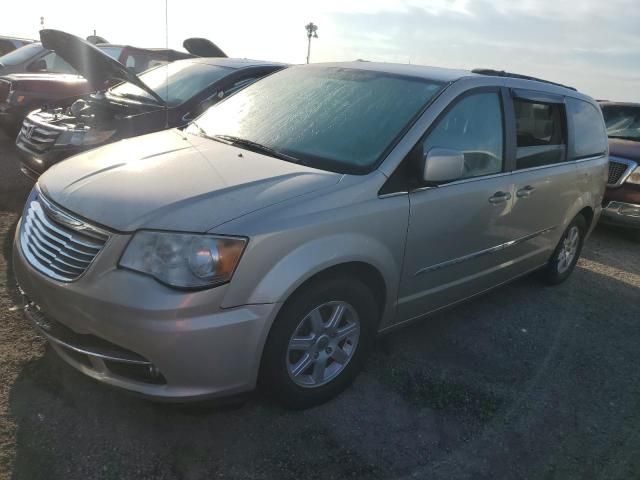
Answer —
269 242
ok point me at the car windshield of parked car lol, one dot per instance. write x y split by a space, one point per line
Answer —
337 119
21 54
622 121
175 82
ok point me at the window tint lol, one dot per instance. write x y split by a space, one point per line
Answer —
474 127
540 133
6 46
589 135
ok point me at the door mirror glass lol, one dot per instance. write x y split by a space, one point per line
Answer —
442 165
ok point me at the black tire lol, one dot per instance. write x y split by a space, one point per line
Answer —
274 376
552 274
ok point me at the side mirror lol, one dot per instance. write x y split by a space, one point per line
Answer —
442 165
38 66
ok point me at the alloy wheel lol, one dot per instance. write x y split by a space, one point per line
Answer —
568 249
322 344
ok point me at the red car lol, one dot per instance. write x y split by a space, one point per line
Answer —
622 198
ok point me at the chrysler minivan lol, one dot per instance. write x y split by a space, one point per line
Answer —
272 239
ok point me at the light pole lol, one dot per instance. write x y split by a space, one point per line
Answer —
311 28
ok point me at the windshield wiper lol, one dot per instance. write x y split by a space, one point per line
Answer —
253 146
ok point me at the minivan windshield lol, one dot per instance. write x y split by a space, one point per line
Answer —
337 119
21 54
175 82
622 121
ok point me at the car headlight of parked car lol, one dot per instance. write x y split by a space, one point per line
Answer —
634 177
184 260
84 137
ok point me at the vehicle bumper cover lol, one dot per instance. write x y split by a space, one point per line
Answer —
35 164
201 351
622 214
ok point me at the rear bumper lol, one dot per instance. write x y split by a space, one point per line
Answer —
622 214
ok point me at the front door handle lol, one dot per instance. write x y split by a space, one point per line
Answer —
525 192
499 197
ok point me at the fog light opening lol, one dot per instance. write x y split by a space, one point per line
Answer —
154 372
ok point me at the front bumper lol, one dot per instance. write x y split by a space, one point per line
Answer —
33 164
10 118
622 214
127 330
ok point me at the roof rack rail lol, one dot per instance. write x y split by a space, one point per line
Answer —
502 73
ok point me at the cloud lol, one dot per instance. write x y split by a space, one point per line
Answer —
591 46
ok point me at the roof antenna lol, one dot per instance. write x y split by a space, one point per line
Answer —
166 42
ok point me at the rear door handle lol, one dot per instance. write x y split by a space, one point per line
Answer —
499 197
525 192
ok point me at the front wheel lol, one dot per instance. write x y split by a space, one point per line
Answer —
319 341
566 255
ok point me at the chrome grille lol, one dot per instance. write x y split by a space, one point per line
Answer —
37 137
56 243
619 170
5 88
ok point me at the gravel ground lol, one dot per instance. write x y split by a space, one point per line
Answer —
526 382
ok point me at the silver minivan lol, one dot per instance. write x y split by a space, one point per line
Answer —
271 240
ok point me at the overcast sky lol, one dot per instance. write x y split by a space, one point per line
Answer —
593 45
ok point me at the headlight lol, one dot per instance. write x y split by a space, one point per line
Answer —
634 177
184 260
85 137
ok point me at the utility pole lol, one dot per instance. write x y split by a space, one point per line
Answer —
311 28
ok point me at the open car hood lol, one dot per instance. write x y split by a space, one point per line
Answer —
202 47
93 64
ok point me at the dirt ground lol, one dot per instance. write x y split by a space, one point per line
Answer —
526 382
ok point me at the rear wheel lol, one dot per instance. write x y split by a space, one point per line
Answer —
566 255
319 341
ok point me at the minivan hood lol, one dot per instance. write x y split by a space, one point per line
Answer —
173 181
92 63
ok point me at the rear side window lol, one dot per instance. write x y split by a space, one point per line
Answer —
589 134
541 137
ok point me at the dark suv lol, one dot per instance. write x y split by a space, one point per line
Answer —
167 96
34 75
622 198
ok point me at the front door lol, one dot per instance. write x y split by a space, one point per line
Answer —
458 236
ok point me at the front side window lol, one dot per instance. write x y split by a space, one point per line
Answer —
337 119
589 136
541 138
474 127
